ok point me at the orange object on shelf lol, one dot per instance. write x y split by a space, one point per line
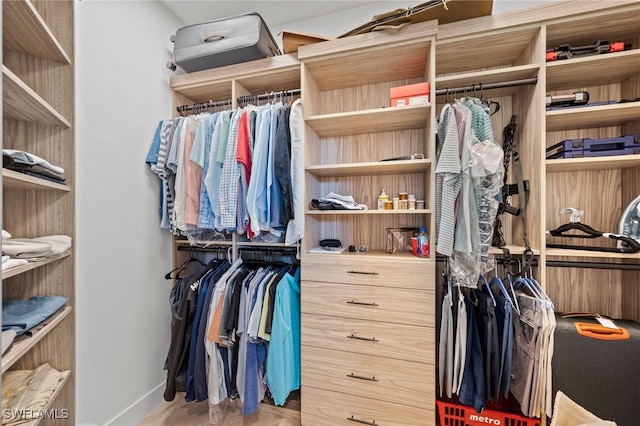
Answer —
411 94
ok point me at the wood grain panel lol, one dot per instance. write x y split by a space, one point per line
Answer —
384 379
602 209
585 290
402 306
359 122
369 147
282 71
20 102
34 210
59 16
512 42
593 70
407 342
325 408
357 269
368 230
41 41
617 23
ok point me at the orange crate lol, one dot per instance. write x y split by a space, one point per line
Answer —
461 415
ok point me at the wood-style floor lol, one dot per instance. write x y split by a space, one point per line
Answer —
229 413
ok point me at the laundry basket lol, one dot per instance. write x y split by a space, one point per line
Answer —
460 415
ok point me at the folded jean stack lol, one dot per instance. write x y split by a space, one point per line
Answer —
32 165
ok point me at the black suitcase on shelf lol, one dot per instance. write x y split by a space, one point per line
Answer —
601 371
222 42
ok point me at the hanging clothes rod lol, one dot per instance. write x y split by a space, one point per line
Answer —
265 96
593 265
204 249
487 86
203 106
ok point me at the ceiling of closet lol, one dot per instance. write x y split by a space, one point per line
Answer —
273 12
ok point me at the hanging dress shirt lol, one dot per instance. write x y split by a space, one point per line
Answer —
295 227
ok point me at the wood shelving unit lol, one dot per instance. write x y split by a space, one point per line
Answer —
13 179
20 102
22 345
38 118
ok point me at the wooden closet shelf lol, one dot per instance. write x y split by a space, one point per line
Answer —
516 251
592 163
33 265
371 168
13 179
366 212
370 255
590 117
24 343
38 41
20 102
376 120
49 403
593 70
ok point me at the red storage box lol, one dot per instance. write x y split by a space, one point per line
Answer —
412 94
461 415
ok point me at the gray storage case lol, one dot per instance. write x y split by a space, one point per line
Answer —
222 42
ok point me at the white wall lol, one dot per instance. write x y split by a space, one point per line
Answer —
121 253
122 313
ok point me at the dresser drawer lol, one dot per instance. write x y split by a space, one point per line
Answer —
408 342
326 408
357 269
385 379
398 305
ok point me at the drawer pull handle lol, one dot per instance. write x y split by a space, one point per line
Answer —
353 302
364 422
371 379
368 339
362 273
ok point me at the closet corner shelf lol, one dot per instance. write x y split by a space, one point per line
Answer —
593 163
498 75
365 212
590 117
11 272
593 70
557 252
370 121
38 41
370 168
65 379
23 344
22 103
13 179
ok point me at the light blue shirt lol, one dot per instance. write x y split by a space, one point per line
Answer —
212 178
283 362
256 194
